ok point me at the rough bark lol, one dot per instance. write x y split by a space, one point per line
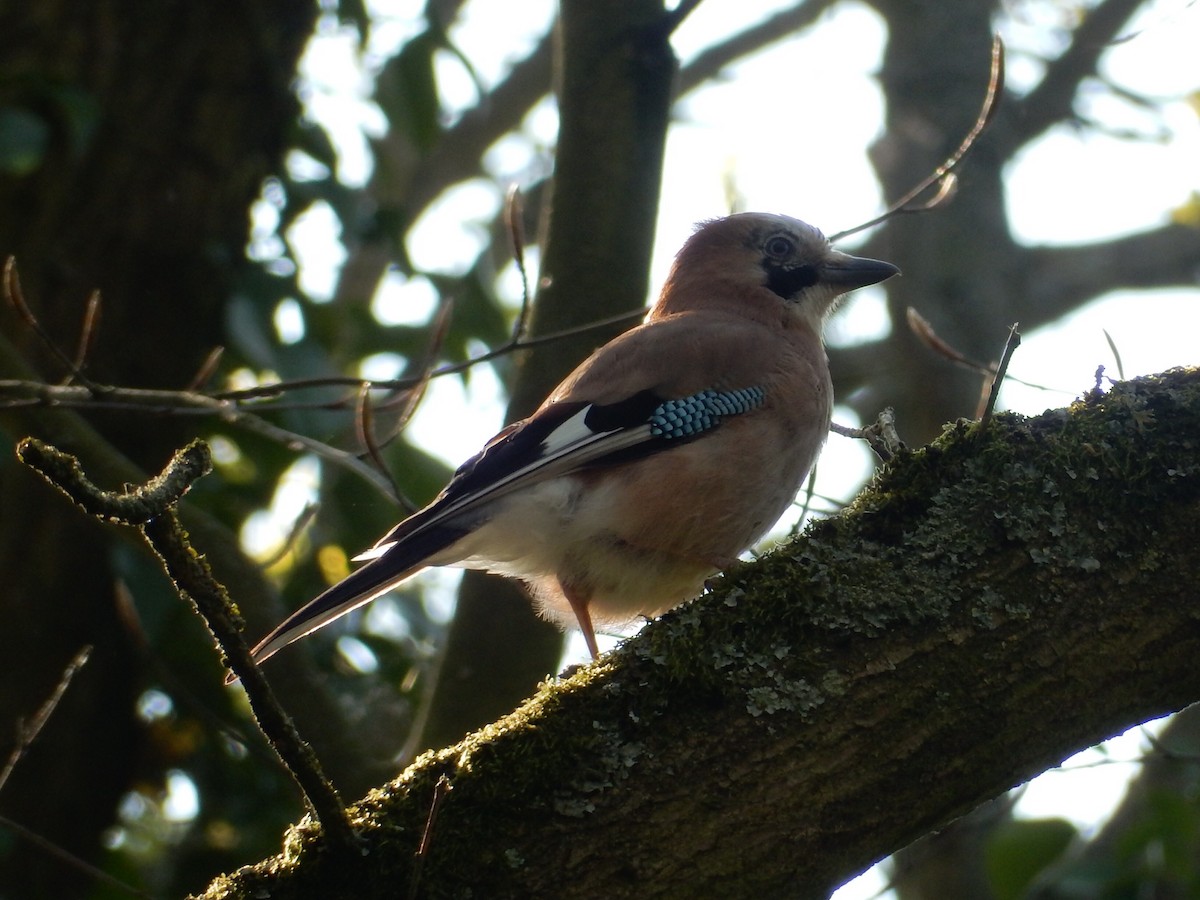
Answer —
989 605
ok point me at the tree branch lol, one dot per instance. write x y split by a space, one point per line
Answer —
1035 570
709 63
151 508
354 760
1060 279
1053 100
408 182
403 182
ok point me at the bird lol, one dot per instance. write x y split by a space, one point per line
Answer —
667 453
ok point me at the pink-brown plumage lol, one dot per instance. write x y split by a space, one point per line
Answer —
607 518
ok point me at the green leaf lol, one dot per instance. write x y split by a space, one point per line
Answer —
1019 850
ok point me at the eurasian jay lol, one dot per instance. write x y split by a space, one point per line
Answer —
668 452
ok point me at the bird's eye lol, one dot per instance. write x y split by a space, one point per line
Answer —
779 247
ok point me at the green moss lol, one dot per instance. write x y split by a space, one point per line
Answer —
1000 521
1023 506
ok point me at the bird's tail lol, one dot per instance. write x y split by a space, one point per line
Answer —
401 561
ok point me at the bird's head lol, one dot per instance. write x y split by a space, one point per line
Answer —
766 265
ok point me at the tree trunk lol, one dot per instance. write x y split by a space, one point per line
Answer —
160 123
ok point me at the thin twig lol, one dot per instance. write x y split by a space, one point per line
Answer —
923 329
1010 347
411 400
408 399
514 221
440 790
69 858
810 490
230 406
364 423
1163 750
301 522
942 175
207 369
1112 345
91 316
27 734
881 435
151 507
16 297
178 403
273 390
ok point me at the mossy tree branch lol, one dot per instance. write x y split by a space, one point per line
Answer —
991 604
151 508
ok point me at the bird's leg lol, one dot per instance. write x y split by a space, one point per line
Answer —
579 605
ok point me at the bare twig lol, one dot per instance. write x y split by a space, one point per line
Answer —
1163 750
364 422
881 435
942 176
179 403
91 316
16 297
69 858
231 406
810 491
1112 345
27 734
151 507
1010 347
408 399
923 329
273 390
440 790
207 369
307 514
513 221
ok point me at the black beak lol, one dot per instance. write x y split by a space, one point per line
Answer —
849 272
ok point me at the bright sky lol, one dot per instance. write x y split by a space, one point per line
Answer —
1070 187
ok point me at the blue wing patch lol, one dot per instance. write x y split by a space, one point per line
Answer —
572 436
694 415
561 438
